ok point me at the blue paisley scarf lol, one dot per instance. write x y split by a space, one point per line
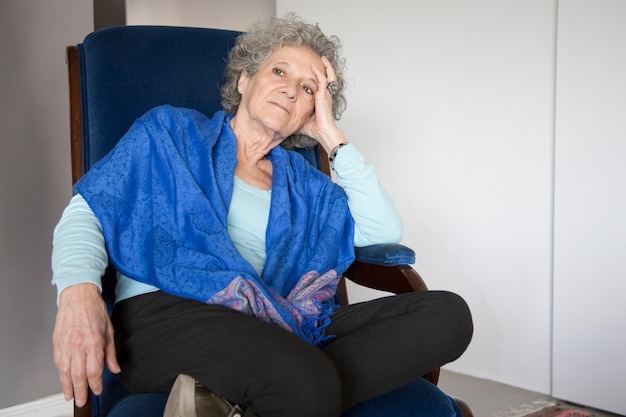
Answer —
162 196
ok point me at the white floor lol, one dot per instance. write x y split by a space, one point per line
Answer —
491 399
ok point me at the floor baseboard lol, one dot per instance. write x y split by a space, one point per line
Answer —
53 406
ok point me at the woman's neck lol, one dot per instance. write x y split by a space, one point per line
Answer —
252 165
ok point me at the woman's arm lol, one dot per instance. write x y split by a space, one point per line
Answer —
375 216
83 333
78 251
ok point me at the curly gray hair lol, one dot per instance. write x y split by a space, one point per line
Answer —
255 46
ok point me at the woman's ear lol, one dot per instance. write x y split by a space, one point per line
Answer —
242 83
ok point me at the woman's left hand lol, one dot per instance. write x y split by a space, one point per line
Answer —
321 126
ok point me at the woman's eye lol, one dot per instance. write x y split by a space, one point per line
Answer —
307 89
278 71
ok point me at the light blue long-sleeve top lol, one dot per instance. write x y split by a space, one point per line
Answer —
79 252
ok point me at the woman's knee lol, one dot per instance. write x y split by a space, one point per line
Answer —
458 321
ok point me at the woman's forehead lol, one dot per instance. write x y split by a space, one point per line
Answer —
295 55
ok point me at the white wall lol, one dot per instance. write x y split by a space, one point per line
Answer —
452 101
231 14
590 203
35 183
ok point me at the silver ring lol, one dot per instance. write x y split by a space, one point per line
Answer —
333 87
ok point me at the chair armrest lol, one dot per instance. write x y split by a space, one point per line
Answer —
396 279
383 267
385 255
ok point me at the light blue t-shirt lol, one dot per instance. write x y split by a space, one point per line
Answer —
246 230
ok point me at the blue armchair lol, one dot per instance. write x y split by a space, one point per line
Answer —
119 73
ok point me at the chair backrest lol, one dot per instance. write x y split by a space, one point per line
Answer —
124 71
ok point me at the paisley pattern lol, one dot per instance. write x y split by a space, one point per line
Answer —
310 301
162 197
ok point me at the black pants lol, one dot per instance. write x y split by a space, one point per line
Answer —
379 346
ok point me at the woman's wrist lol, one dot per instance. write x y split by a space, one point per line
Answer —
330 139
332 155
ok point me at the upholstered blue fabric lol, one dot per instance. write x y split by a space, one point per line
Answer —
114 393
124 72
419 398
140 405
385 255
127 70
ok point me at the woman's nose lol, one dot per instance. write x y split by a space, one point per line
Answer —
290 89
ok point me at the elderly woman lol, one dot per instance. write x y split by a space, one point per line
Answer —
228 249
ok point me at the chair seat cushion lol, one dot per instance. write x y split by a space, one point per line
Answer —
140 405
419 398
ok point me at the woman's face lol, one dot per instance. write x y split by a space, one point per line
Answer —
280 96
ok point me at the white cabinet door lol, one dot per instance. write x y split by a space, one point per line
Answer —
589 335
